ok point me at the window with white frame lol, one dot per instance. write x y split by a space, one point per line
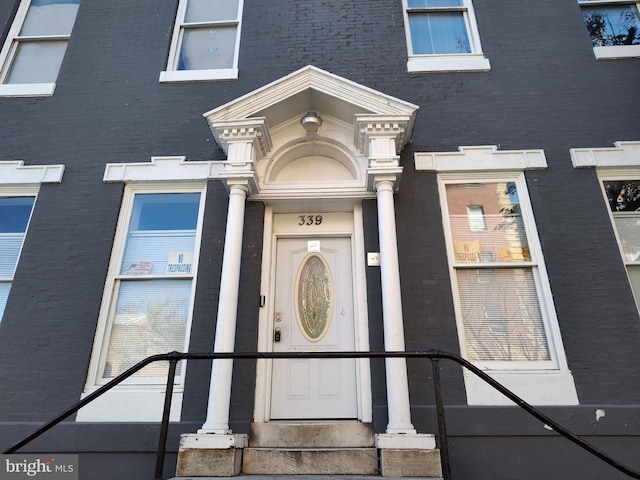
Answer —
35 46
442 35
205 42
623 197
148 296
500 303
15 212
618 169
504 309
19 186
614 27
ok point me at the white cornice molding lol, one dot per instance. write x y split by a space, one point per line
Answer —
16 173
477 158
162 169
624 154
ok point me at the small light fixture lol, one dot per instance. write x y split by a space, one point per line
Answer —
311 122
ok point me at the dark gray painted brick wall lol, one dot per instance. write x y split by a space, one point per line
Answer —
545 90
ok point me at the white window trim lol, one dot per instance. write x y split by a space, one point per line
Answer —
159 169
136 399
17 173
612 52
6 56
172 75
455 62
624 154
621 162
540 385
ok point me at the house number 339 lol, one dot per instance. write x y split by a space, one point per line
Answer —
309 219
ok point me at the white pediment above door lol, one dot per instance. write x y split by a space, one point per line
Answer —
261 132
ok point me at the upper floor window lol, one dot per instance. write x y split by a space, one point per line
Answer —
15 212
206 41
442 36
614 27
35 46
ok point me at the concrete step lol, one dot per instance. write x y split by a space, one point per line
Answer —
310 461
311 435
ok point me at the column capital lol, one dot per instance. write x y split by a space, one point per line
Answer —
382 137
244 139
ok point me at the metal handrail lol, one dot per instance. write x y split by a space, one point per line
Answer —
434 355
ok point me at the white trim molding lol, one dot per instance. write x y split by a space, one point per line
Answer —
162 169
480 158
17 173
624 154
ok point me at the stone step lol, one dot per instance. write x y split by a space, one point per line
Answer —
311 435
310 461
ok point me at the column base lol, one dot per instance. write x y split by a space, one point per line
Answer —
210 455
413 455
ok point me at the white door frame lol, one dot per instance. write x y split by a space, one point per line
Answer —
350 228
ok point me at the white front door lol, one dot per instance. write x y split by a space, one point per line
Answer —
314 311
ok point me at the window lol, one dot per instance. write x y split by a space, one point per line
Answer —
618 169
36 44
206 41
442 36
623 197
496 277
504 309
15 212
148 296
475 214
150 305
614 27
19 186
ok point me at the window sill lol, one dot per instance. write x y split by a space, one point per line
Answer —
539 387
130 404
198 75
448 63
27 89
619 51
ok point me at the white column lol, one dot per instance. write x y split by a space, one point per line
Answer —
396 368
221 372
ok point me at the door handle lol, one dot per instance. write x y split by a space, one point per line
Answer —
277 334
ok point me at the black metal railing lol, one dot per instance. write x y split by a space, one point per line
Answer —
434 355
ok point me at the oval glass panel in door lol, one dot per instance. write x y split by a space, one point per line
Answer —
314 297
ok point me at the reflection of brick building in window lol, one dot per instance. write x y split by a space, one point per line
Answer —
503 239
500 308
